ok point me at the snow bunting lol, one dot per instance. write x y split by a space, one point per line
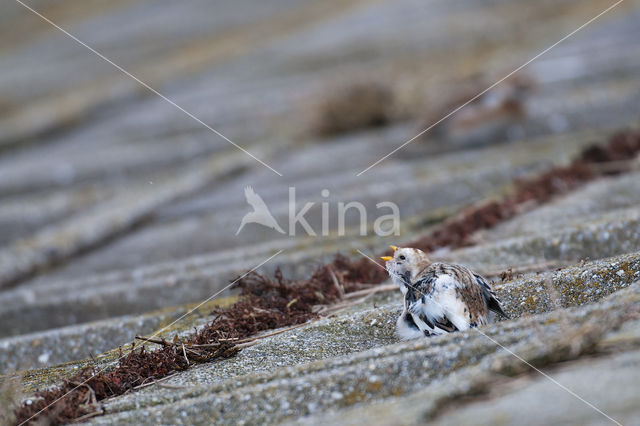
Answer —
438 297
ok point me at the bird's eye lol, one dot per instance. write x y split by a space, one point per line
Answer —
401 257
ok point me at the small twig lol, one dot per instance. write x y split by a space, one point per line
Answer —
92 400
91 394
185 355
88 416
144 385
203 346
145 381
338 285
244 345
166 386
334 309
212 345
372 290
262 336
194 352
156 341
536 267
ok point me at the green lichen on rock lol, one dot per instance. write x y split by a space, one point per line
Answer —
573 286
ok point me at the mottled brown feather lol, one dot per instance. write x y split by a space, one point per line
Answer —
470 292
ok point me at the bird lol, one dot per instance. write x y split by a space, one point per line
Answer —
439 298
260 213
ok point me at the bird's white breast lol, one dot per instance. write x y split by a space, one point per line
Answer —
444 302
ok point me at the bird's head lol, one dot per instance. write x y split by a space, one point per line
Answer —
405 264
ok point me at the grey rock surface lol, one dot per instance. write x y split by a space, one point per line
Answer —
119 212
300 389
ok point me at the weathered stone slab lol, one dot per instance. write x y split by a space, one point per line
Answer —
256 72
382 372
24 257
81 342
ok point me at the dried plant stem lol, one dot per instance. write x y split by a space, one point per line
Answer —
144 385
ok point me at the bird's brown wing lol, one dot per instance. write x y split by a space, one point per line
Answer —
473 300
492 301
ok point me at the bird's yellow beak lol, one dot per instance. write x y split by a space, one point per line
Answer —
394 248
386 258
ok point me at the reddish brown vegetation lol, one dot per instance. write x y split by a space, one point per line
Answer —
622 146
264 304
267 303
78 395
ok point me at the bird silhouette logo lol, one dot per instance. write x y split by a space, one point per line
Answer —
260 213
